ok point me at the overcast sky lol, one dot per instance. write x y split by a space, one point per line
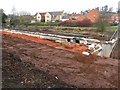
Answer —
34 6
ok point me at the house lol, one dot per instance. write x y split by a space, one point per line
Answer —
115 18
38 17
109 16
46 17
50 16
82 17
76 16
32 21
93 15
56 15
65 17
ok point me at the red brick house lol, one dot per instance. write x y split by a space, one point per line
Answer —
93 15
82 17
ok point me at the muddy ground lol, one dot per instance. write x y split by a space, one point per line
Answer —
18 74
70 69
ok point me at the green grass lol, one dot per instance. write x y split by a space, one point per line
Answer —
111 29
82 28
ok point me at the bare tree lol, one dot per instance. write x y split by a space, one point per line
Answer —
110 9
14 11
105 14
24 13
106 8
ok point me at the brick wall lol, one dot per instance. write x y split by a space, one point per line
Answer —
93 15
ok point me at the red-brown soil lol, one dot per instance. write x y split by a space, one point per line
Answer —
18 74
71 68
74 47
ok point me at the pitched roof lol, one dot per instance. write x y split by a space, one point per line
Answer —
75 15
65 17
93 15
36 14
42 14
82 17
56 13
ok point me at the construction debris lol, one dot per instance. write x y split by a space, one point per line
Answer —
74 44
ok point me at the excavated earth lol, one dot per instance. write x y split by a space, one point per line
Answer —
60 68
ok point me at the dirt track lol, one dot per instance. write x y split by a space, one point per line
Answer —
71 68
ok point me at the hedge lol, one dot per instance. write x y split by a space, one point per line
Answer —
75 23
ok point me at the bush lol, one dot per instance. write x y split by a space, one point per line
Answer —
45 24
20 26
84 23
14 22
66 23
73 19
52 24
74 23
57 21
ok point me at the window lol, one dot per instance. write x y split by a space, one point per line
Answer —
47 16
